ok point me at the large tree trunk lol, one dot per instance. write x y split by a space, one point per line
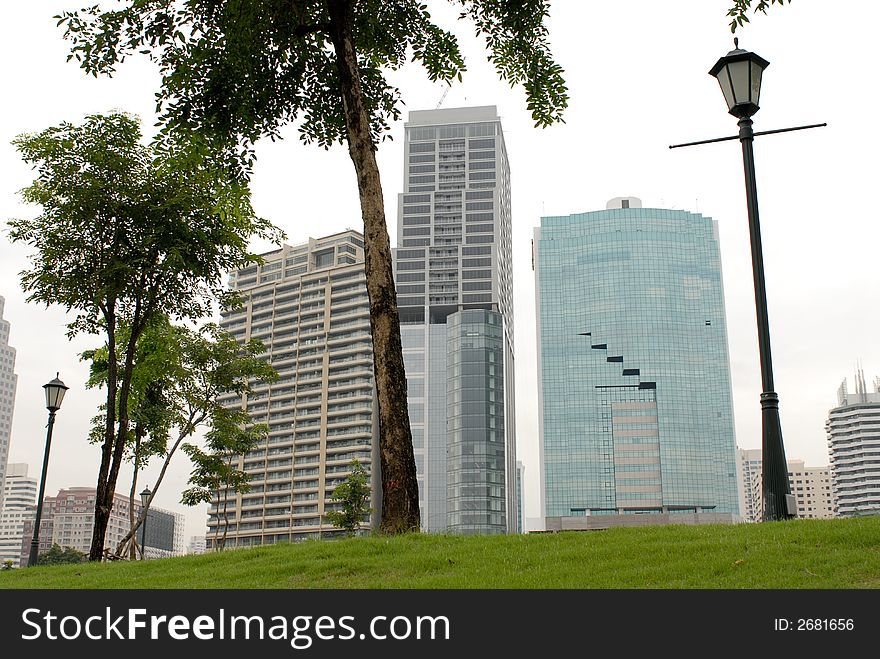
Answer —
400 492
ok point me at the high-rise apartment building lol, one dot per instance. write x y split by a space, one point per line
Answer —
308 304
853 430
19 506
636 412
751 495
454 294
68 520
811 487
8 381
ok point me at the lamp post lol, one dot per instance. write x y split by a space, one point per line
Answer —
54 395
145 501
739 74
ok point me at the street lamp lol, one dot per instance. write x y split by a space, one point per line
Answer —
145 500
54 395
739 74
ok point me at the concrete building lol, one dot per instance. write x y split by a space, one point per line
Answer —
453 270
811 486
8 381
853 430
635 403
69 517
19 506
308 304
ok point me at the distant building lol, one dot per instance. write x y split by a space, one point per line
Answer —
8 381
19 506
165 530
197 545
308 304
813 490
811 487
636 413
853 430
68 520
749 465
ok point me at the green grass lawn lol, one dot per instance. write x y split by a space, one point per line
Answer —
796 554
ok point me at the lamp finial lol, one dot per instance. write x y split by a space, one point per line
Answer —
736 43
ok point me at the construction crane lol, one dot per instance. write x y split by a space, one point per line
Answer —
440 102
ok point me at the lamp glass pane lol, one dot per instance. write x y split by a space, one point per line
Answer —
724 81
739 79
757 71
54 396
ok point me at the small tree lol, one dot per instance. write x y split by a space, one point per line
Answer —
354 495
216 473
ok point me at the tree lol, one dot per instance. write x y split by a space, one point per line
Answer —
354 495
216 468
179 376
740 8
58 556
240 69
127 232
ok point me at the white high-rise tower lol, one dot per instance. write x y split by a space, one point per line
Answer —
7 392
455 300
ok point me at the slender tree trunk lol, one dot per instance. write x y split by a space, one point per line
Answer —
102 512
132 554
222 544
400 492
132 532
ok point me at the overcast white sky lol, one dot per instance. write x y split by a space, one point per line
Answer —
637 74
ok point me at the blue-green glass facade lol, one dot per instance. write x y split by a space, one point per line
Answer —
636 412
475 450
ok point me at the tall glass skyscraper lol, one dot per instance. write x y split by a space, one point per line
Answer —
634 374
454 293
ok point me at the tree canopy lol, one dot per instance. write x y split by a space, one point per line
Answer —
245 68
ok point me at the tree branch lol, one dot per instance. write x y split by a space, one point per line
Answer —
303 30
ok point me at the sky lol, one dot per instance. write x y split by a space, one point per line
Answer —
638 82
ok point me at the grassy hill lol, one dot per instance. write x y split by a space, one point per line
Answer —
796 554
